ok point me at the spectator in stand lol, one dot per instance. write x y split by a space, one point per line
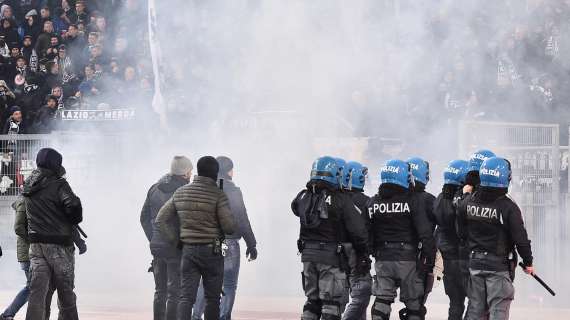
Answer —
53 77
4 50
68 10
44 39
21 67
74 43
6 12
28 5
29 53
52 50
66 66
80 13
96 55
45 121
57 92
32 27
89 85
14 124
9 32
60 24
29 96
14 53
92 41
130 84
7 100
45 14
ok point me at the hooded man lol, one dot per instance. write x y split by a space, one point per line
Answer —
52 211
14 124
166 256
30 53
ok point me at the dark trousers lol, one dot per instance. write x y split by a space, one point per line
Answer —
200 262
490 295
167 287
326 288
231 274
52 265
391 275
455 281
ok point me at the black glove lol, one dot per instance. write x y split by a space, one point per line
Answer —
82 246
251 253
363 265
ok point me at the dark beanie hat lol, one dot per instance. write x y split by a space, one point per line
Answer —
208 167
14 109
226 165
48 158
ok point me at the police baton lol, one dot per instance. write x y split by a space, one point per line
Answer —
537 278
81 231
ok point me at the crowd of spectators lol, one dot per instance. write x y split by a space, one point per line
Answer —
497 61
512 68
70 54
502 60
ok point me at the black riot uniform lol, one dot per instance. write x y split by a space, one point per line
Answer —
455 255
399 224
325 264
429 200
360 280
493 225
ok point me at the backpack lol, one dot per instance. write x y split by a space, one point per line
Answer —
311 208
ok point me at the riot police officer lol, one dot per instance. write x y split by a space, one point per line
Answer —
472 179
360 280
493 225
328 219
455 256
420 174
400 227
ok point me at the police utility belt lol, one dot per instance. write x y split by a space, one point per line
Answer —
396 251
324 246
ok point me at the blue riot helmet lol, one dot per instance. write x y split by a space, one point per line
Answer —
477 159
495 172
420 169
325 169
355 175
455 172
342 168
396 172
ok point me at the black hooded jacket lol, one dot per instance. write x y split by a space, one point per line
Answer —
445 215
157 196
52 209
429 200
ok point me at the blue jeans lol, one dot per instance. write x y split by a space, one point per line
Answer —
231 274
22 297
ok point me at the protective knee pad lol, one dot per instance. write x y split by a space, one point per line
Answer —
312 310
377 314
331 310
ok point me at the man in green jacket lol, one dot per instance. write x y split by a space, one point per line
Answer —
205 217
